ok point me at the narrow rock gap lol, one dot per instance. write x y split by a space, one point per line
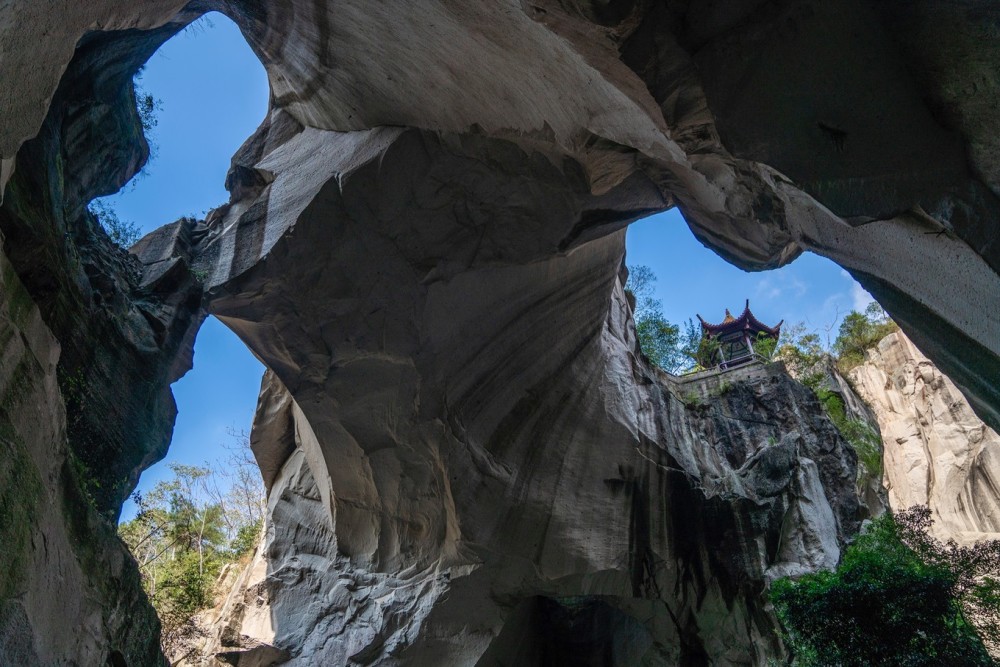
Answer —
208 93
199 97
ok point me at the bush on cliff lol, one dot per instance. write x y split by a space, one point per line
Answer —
663 343
860 332
188 528
899 597
809 362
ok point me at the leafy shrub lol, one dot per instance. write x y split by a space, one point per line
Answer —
863 439
803 355
662 342
187 529
764 346
866 443
890 602
860 332
245 540
807 360
147 106
124 233
658 339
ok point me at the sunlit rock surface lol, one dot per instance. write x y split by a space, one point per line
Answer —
423 244
937 452
456 520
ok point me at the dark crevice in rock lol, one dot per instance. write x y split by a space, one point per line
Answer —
120 411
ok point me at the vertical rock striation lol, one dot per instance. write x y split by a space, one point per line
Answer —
125 329
423 244
463 444
635 552
69 592
90 339
777 128
937 451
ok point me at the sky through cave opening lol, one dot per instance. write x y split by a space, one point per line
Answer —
211 93
692 280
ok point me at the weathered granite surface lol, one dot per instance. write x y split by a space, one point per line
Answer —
424 238
776 127
644 539
937 452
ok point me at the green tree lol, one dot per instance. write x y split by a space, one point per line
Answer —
858 333
888 603
659 340
123 233
148 108
691 341
803 354
807 360
764 346
187 529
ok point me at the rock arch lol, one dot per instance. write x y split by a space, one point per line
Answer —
424 238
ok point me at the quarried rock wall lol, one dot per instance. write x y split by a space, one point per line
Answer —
69 591
90 339
452 519
422 243
796 125
937 451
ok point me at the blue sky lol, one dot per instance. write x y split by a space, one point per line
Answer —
214 94
691 279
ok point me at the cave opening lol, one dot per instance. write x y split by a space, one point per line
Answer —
200 95
491 433
685 279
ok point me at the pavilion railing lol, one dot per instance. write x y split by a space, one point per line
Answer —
742 361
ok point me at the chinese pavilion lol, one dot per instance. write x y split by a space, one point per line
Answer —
736 340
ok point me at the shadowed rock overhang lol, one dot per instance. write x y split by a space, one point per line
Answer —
864 134
423 244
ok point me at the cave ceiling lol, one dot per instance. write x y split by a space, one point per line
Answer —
863 133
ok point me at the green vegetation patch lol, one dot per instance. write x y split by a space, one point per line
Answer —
899 597
663 343
804 355
863 439
859 332
187 529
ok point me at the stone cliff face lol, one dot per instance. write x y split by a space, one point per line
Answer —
423 244
69 591
851 414
90 338
644 539
937 452
125 329
878 136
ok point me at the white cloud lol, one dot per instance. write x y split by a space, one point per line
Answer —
780 284
858 296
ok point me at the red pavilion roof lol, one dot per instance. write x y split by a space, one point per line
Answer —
746 321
